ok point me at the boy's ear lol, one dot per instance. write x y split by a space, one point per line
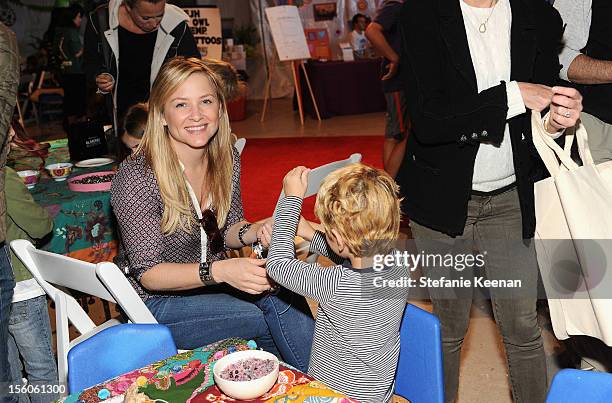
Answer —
339 240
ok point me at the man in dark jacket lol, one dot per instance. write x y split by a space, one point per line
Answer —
143 34
473 69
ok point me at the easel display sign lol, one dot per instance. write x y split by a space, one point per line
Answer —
290 41
205 24
287 33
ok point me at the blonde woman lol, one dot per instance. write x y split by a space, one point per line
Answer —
179 207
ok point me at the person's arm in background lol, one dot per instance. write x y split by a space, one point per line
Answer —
187 47
96 72
385 18
578 67
28 215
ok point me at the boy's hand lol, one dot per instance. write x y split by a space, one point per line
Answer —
264 232
296 181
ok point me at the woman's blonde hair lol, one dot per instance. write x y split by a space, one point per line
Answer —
361 203
162 158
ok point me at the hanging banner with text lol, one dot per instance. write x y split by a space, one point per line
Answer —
205 24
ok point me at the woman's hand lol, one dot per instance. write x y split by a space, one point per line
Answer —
264 232
296 182
245 274
565 109
105 82
536 97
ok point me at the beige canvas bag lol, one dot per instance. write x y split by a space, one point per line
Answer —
574 235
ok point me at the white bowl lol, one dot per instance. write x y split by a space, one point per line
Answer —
29 177
59 171
247 389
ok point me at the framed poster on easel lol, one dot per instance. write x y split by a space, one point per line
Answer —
290 41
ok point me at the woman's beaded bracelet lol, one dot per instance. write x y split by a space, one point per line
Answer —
243 230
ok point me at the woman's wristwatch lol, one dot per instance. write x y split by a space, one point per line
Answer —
205 275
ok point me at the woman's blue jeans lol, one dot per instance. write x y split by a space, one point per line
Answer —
280 323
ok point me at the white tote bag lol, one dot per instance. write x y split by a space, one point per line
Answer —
574 236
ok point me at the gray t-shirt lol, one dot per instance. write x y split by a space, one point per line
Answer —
576 16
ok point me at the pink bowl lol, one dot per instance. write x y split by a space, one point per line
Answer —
90 187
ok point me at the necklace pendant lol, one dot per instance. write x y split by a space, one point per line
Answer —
482 28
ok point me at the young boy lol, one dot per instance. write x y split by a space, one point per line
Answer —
29 341
356 341
134 124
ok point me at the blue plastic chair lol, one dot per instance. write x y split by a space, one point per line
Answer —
420 377
572 385
115 351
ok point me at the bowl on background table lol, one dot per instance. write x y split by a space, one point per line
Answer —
59 171
92 182
29 177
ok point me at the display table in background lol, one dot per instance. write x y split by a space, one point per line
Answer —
343 88
188 377
83 224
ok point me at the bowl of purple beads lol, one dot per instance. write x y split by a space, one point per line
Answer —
246 375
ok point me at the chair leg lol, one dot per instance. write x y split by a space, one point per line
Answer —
63 338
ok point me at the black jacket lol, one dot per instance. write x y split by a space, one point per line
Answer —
184 45
174 32
449 116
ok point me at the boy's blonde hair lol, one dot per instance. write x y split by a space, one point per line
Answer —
361 203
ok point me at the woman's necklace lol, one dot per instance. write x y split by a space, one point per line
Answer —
482 28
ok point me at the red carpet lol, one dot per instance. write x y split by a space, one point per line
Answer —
266 161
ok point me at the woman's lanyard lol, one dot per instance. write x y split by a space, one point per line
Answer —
196 205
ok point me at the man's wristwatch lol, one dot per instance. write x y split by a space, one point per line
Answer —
205 274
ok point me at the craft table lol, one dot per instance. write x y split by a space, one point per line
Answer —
188 377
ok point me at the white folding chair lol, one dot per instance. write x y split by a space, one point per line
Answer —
103 280
239 144
315 178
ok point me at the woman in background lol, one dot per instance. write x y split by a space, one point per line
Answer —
68 50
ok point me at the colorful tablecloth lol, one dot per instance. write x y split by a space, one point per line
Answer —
188 377
83 223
